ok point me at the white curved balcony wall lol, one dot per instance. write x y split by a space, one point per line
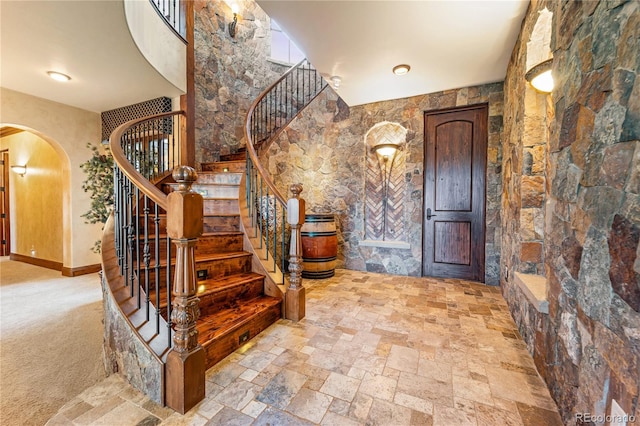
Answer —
164 50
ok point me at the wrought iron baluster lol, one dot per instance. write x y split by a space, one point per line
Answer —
156 221
266 234
275 232
261 213
168 286
137 243
117 206
131 238
282 249
254 201
146 256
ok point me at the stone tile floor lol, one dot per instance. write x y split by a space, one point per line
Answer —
373 350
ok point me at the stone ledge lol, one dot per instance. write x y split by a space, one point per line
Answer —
534 288
385 244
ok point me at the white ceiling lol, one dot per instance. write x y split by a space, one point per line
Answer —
448 43
89 40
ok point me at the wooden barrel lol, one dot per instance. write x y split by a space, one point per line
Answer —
319 246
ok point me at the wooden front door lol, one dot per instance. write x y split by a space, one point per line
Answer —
455 162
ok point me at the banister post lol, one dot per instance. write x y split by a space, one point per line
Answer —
185 366
295 295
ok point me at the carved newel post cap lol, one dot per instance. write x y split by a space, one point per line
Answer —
185 176
296 189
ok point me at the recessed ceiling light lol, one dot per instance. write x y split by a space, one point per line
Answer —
401 69
58 76
335 82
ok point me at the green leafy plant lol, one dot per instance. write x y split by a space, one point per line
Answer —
99 184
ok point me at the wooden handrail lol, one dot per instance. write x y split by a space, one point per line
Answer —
128 169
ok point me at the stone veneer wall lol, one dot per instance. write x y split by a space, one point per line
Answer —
588 347
125 354
230 73
324 149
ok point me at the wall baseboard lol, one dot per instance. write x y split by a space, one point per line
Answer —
49 264
81 270
57 266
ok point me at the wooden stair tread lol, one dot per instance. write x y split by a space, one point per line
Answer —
211 286
218 197
230 161
212 257
225 321
209 172
223 162
210 234
222 215
222 233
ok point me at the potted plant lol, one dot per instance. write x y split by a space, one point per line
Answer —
99 185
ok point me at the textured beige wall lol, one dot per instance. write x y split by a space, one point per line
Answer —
67 130
36 198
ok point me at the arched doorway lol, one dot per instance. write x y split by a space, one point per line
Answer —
40 230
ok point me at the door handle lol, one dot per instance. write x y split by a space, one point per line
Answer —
429 215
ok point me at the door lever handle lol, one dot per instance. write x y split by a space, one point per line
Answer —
429 215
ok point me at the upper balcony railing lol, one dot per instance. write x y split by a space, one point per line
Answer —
172 11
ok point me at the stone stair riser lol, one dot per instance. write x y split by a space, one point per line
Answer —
227 178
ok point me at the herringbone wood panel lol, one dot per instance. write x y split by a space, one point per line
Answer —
374 205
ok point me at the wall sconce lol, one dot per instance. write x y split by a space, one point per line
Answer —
386 155
335 82
539 76
21 170
235 8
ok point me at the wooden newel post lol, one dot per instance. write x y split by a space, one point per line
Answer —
185 366
295 296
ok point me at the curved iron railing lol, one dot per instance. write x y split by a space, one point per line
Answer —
145 150
269 114
173 13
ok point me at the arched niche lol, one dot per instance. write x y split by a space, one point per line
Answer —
385 184
535 147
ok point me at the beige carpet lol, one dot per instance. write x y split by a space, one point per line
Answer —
50 340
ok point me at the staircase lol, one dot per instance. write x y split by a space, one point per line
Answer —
175 309
233 306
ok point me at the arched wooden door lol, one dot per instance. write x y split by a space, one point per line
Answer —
454 193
